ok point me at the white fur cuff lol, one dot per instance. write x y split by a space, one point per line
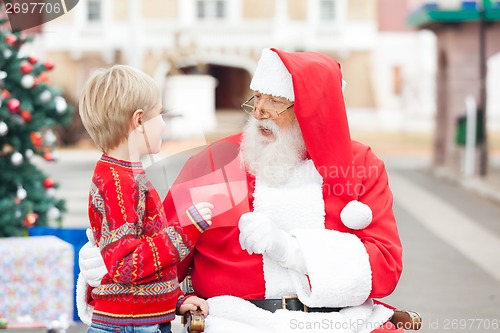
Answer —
271 76
233 314
338 268
230 314
84 309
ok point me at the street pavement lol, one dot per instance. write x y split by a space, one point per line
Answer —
451 243
450 234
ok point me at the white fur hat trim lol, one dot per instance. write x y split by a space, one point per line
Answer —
271 76
356 215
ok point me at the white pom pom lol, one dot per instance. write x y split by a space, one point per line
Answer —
356 215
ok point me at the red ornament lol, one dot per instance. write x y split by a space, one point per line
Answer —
32 59
43 77
48 157
26 67
48 182
5 94
30 219
26 115
14 105
49 65
36 139
11 39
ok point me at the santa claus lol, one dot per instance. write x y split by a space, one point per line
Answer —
314 239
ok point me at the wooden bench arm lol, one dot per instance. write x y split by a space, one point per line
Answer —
407 320
194 322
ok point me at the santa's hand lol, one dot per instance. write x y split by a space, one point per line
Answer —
258 234
91 262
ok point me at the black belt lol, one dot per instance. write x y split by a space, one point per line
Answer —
289 303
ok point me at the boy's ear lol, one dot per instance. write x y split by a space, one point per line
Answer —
137 119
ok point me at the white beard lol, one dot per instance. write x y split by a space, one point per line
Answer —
271 161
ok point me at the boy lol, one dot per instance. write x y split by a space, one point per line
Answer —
121 110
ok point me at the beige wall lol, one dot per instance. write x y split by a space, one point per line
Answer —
258 9
65 18
356 71
159 9
64 72
70 75
297 9
152 62
364 10
120 10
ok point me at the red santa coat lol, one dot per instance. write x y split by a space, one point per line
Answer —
219 266
349 171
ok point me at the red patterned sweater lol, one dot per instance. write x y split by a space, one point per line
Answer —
140 247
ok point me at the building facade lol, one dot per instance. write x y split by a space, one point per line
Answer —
468 64
386 66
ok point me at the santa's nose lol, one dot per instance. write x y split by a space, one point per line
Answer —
258 112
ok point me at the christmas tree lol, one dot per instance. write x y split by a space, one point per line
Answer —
29 108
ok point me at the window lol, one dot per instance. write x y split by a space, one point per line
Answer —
219 9
94 10
211 9
327 10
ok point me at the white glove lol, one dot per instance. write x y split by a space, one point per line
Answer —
91 263
258 234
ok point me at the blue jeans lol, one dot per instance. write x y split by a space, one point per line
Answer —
107 328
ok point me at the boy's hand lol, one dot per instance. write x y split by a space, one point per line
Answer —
192 303
205 210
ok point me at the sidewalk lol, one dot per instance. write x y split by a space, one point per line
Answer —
414 151
487 187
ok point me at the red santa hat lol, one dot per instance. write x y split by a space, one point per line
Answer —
313 81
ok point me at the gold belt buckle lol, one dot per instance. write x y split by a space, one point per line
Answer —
283 302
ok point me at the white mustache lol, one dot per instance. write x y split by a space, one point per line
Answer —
271 160
267 125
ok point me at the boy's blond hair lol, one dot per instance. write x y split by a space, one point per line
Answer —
109 99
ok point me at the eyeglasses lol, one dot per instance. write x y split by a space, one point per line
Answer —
249 107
